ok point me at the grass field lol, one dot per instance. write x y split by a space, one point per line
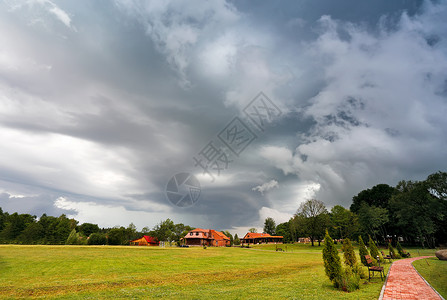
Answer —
435 272
153 272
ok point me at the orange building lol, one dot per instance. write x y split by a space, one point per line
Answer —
261 238
206 237
145 241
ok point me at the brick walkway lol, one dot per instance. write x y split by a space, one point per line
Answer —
405 283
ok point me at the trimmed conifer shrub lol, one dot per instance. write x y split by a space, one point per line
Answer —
362 251
374 252
349 253
393 253
401 250
332 264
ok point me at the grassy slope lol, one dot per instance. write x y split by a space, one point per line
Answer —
435 272
142 272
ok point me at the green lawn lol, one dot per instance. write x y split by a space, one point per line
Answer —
435 272
152 272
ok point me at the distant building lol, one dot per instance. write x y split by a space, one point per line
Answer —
261 238
145 241
206 237
304 240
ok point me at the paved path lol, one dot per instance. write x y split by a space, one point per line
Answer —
405 283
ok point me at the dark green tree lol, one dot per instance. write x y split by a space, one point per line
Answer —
344 223
2 219
228 234
88 228
373 220
418 213
117 236
32 234
269 226
97 239
236 241
313 219
377 196
14 225
332 264
253 230
283 230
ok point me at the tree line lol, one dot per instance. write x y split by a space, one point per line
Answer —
28 229
415 211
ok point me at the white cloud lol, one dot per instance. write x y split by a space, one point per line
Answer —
382 111
47 6
266 186
180 28
55 161
107 215
278 216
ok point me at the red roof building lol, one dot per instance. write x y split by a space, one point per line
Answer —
206 237
261 238
145 241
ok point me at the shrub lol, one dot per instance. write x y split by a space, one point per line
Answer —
97 239
348 281
393 253
373 250
343 246
360 270
362 251
332 264
401 250
349 253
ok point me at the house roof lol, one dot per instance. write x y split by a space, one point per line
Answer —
200 230
221 235
255 235
150 239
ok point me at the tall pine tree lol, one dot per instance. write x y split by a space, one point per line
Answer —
332 264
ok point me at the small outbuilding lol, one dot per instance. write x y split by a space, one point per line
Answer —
261 238
145 241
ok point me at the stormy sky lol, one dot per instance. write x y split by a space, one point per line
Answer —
102 102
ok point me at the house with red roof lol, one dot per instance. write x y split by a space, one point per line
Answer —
145 241
261 238
206 237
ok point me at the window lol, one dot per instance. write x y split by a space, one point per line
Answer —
197 233
191 233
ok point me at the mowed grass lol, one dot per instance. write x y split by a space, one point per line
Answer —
153 272
435 272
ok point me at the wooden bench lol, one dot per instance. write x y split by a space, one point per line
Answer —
374 268
406 254
386 256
